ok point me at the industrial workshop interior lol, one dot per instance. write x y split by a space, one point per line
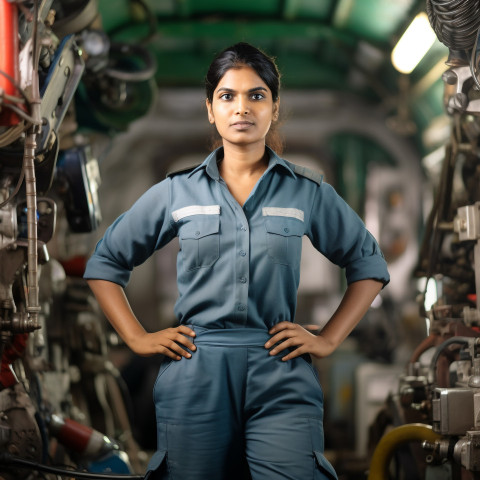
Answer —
101 100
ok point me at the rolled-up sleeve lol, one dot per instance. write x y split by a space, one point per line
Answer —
133 237
340 234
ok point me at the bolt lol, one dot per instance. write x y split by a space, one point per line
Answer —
449 77
457 103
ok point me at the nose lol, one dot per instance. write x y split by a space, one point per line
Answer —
241 108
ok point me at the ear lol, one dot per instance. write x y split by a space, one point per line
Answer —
211 118
276 110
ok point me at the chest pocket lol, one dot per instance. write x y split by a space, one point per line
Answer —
200 241
284 239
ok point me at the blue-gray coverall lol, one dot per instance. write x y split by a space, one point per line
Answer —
232 408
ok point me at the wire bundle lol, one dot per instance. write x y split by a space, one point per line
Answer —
455 22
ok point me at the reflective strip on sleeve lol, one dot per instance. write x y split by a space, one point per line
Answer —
283 212
195 210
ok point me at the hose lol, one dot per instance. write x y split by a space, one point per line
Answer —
394 439
63 472
432 375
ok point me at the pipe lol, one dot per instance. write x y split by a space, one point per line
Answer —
392 440
33 307
31 194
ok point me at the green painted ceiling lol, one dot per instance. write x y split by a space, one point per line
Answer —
319 44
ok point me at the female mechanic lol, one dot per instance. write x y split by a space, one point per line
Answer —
237 396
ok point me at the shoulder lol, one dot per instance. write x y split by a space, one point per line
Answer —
180 171
313 175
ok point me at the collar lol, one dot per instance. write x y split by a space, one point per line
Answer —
210 164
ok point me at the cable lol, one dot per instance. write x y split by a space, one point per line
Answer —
17 86
5 458
455 22
12 133
22 114
472 60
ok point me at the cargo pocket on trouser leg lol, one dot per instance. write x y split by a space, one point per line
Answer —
323 469
157 468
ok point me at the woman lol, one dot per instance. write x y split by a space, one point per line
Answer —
237 394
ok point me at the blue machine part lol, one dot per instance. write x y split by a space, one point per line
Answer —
79 178
114 462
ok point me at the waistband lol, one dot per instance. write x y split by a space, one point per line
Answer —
241 337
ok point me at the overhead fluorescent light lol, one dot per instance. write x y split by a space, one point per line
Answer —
414 44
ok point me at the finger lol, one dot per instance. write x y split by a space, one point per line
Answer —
186 330
279 337
282 346
280 326
184 341
293 354
176 348
168 353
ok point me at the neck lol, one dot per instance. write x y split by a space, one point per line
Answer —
244 162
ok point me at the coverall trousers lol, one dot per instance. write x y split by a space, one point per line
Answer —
234 412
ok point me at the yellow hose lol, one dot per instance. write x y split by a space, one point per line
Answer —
392 440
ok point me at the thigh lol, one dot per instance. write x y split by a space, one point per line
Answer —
286 446
284 427
198 417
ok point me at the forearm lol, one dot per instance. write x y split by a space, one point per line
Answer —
112 300
356 301
172 342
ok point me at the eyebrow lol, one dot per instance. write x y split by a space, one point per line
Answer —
251 90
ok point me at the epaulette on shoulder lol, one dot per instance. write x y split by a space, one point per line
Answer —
182 170
313 175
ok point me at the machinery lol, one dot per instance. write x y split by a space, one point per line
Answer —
63 408
436 410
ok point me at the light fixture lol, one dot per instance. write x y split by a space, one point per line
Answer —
414 44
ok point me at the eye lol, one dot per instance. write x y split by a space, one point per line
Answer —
258 96
226 96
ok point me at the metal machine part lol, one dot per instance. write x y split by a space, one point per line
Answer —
59 87
44 364
19 431
441 387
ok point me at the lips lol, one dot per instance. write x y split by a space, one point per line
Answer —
243 125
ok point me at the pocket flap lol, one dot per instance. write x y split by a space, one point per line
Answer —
325 466
157 459
284 226
200 228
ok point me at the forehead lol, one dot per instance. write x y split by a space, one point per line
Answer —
239 78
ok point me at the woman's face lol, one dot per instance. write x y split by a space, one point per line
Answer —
242 108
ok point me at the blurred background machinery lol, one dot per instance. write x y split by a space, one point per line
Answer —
63 405
437 401
99 99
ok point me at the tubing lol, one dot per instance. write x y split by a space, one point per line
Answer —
8 56
394 439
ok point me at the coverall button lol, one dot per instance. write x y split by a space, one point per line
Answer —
286 230
197 233
242 253
243 228
243 280
241 307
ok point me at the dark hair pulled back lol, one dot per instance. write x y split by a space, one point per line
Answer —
240 55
